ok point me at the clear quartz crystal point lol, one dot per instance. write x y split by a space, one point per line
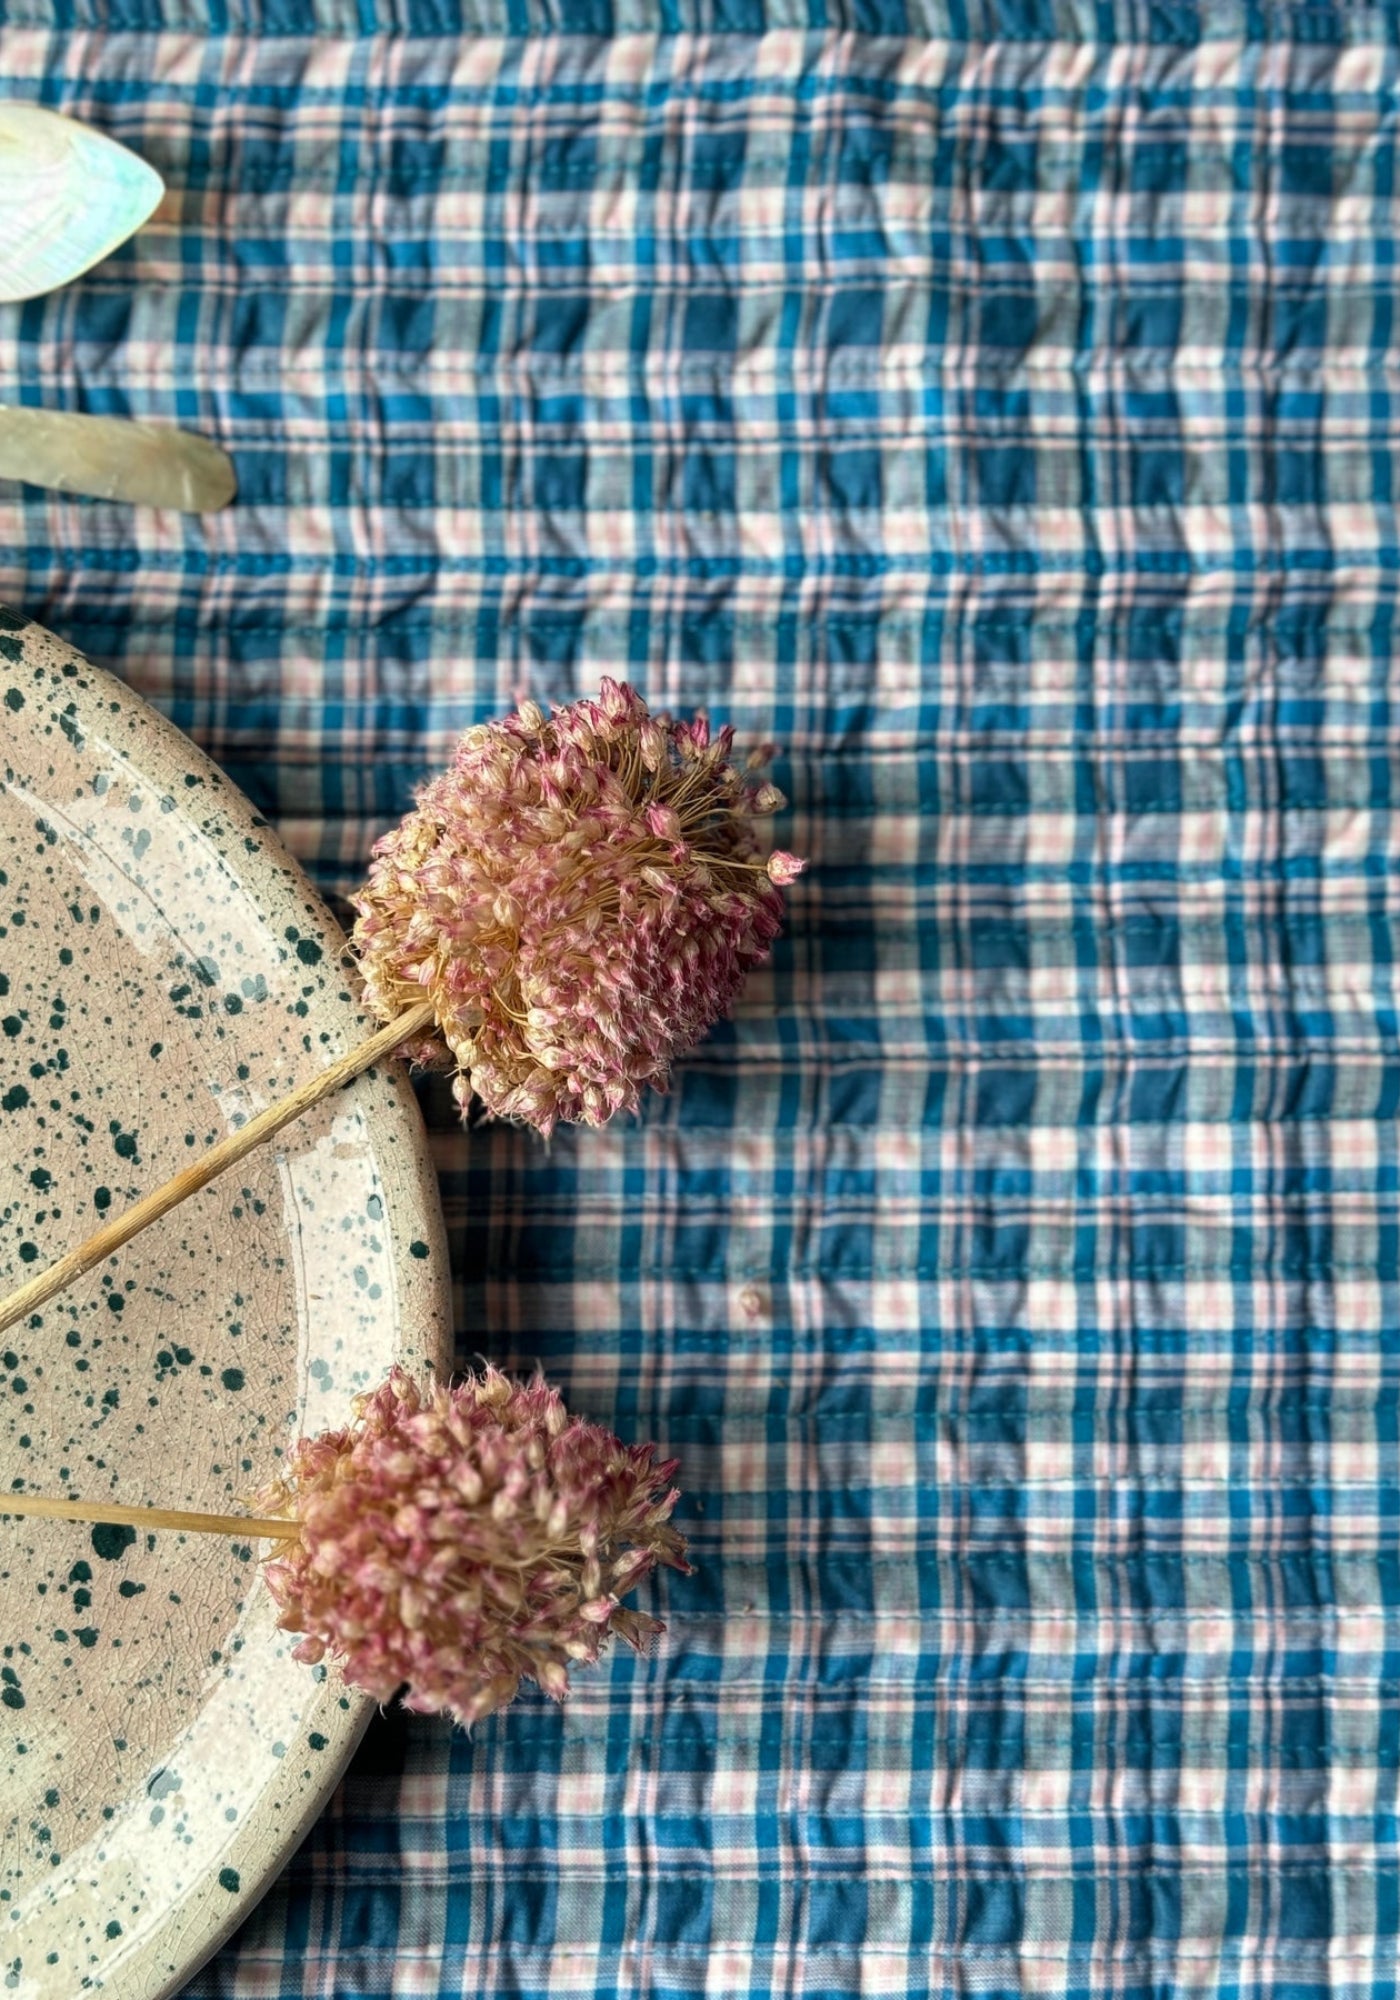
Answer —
111 458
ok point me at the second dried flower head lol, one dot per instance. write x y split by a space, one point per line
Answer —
581 896
463 1540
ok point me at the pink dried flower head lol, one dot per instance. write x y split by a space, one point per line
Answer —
581 897
463 1540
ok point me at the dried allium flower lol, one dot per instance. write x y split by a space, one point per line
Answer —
464 1539
581 897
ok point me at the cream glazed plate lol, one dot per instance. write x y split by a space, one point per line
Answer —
165 971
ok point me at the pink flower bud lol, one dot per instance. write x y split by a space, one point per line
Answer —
616 700
664 822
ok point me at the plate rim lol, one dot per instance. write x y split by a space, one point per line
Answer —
206 1924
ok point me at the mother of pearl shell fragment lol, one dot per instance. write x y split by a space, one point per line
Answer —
68 197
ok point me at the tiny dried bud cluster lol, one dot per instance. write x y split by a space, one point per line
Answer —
581 896
463 1540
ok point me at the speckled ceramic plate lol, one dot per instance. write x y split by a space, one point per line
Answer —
164 967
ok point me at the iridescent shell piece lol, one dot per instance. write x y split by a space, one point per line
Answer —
68 197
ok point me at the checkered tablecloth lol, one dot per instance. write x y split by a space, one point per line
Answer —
994 402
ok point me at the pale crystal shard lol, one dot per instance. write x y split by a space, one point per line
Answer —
110 458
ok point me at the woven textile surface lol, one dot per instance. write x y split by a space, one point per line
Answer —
994 405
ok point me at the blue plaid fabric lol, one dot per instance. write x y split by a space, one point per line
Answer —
994 402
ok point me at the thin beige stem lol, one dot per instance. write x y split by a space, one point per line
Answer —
225 1154
31 1505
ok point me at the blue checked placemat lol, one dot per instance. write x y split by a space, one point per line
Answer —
996 405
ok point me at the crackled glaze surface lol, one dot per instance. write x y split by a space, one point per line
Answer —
164 971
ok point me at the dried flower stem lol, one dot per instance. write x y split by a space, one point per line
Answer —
89 1511
101 1245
